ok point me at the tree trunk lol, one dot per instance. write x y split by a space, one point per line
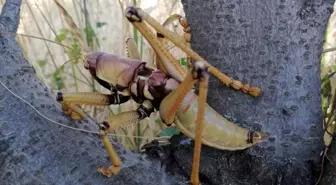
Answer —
275 45
36 151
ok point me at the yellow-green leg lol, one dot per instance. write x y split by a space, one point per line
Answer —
70 101
138 18
203 89
115 122
199 74
114 158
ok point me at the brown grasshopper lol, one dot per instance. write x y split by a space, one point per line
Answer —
168 89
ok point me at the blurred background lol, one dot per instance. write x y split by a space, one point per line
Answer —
105 28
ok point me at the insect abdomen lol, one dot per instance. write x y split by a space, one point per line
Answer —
218 132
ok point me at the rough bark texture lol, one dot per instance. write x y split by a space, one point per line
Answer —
36 151
275 45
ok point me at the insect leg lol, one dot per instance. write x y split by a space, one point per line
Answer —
172 102
161 39
186 29
132 49
117 121
114 158
169 63
138 16
186 35
203 89
70 101
164 42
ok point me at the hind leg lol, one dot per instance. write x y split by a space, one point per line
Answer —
115 122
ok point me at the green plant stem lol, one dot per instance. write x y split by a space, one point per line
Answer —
87 80
74 76
71 75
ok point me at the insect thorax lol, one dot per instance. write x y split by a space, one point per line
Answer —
153 85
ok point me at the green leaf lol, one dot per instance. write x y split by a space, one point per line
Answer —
60 37
58 81
41 63
90 34
75 52
61 68
100 24
169 132
65 30
58 70
57 78
183 61
158 121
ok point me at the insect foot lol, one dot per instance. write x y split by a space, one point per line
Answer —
108 172
116 162
71 110
199 70
132 14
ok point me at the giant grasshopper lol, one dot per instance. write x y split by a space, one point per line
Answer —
168 89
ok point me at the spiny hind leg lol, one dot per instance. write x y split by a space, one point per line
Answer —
70 101
183 22
132 49
115 122
138 17
186 34
166 61
164 42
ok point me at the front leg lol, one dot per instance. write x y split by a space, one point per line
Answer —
70 101
199 73
115 122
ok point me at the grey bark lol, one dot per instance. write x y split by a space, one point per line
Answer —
275 45
36 151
